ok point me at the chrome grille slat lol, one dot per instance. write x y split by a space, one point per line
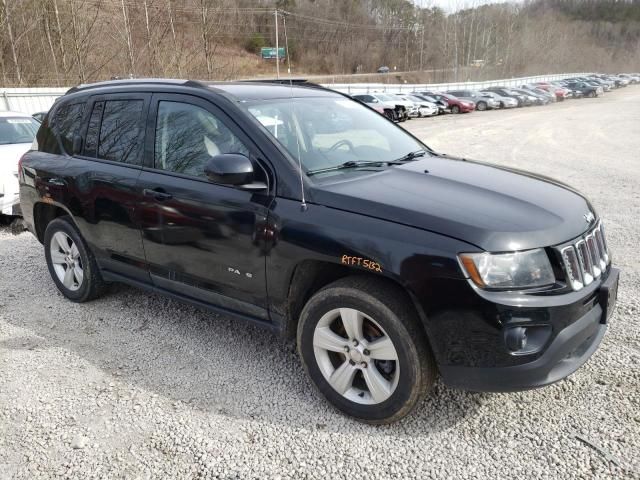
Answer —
586 258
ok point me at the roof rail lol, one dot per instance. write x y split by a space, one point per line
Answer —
302 82
136 81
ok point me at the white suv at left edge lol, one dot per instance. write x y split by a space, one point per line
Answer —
17 131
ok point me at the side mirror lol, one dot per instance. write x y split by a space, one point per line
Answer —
77 145
232 169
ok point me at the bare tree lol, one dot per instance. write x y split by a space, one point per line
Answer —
127 32
12 40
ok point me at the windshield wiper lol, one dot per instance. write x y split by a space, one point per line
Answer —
350 164
411 156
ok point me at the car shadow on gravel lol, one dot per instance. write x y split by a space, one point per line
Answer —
207 363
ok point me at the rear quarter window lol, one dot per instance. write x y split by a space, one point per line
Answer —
67 123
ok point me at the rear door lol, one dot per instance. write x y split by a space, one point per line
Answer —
101 181
201 240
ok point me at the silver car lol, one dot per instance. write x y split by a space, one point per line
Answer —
503 102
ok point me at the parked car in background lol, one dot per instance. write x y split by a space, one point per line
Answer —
410 107
606 85
379 106
632 78
388 101
455 104
422 108
539 91
39 116
482 103
573 93
442 106
535 98
560 91
523 100
17 131
586 89
503 102
383 69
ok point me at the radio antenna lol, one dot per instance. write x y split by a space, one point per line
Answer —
303 205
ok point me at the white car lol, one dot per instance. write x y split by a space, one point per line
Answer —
425 109
17 131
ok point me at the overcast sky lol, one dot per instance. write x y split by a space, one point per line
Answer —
453 5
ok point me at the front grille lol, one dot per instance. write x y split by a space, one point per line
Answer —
586 258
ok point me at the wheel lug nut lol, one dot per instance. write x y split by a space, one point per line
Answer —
366 352
354 342
351 362
363 364
346 349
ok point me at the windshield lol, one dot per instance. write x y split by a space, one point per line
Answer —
332 131
17 130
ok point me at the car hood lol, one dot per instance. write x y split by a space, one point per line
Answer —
10 155
492 207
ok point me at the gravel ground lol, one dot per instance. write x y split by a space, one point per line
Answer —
138 386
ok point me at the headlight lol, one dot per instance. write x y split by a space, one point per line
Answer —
509 270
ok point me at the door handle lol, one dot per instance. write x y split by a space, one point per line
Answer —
157 193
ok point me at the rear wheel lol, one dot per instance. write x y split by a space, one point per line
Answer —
591 94
389 114
455 109
71 264
481 106
362 347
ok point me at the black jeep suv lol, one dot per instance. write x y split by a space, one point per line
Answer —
308 213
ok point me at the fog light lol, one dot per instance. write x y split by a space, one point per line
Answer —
524 340
516 338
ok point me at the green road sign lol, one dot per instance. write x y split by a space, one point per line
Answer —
270 52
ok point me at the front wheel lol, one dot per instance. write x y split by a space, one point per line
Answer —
363 348
455 109
481 106
71 264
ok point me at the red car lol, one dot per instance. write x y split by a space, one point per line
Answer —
455 104
560 92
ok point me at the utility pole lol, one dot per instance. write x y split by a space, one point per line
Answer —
421 46
275 15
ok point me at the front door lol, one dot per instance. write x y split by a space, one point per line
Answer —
200 239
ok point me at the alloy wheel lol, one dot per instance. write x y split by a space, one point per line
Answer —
356 356
66 261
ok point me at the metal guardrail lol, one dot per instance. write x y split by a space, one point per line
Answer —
355 88
31 100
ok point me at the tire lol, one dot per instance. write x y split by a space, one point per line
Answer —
401 375
63 241
481 106
501 105
389 114
591 94
455 109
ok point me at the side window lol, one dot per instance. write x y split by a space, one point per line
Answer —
187 136
67 123
121 131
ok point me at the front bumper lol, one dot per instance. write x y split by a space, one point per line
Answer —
571 344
